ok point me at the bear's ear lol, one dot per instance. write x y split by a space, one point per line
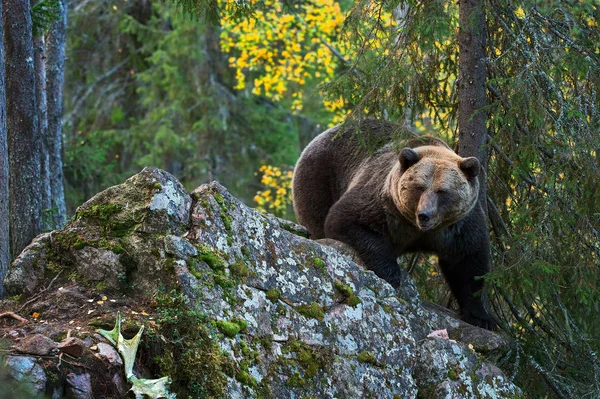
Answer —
408 157
470 167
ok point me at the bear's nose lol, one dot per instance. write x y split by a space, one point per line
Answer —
424 217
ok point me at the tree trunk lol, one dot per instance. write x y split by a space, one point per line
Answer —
55 78
21 122
4 233
42 116
472 133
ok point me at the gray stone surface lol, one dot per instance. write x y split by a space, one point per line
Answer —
79 386
446 369
98 264
37 344
28 371
108 352
179 247
27 270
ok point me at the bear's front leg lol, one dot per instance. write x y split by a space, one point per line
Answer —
463 274
346 223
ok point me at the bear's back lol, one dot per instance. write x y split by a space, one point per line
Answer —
334 159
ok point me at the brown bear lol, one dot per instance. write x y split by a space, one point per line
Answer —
384 202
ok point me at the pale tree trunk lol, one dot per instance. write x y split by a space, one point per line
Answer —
4 233
55 78
472 132
21 122
42 116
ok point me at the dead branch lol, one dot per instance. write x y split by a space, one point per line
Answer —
14 316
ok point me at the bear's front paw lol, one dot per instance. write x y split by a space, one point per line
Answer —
479 319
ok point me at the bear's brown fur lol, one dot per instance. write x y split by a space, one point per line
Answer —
386 202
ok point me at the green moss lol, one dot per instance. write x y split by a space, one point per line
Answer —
219 198
245 378
313 311
245 349
239 270
101 286
222 281
295 380
366 357
69 239
157 186
227 220
232 327
110 245
16 298
353 301
228 328
182 345
310 359
211 258
343 289
319 264
273 295
54 267
242 323
194 270
291 229
452 375
245 251
346 291
105 216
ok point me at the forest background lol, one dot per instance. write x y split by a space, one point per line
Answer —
232 91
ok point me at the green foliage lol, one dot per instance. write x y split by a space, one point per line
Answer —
162 96
43 14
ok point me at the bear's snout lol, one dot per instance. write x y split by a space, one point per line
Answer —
427 211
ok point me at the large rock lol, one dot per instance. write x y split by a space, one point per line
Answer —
247 306
115 240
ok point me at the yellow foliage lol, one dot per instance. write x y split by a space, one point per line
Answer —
285 49
520 13
276 196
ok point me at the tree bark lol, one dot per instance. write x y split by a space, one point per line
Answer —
472 132
55 78
4 232
21 122
39 52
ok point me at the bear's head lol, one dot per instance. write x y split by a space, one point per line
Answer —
434 186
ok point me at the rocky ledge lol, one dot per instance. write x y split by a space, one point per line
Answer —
236 304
